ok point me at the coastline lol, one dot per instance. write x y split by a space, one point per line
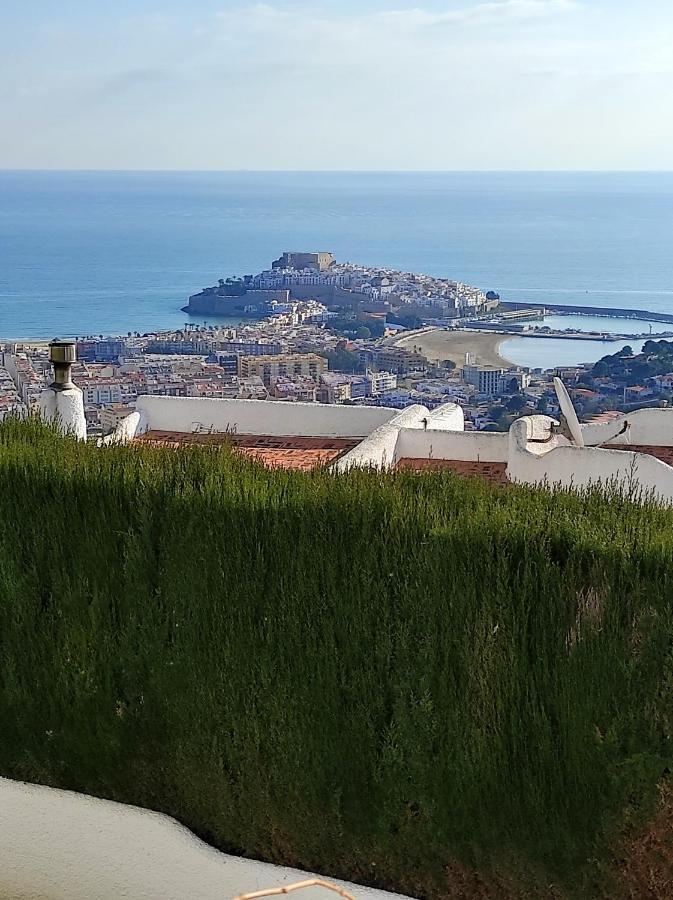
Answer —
442 343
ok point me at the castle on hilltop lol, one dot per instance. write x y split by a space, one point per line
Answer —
320 261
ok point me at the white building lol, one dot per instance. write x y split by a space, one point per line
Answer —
486 379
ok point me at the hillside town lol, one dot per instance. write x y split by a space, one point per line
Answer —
318 350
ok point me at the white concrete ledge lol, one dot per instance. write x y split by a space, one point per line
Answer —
272 417
640 426
57 845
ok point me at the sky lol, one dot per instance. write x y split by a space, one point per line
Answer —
337 84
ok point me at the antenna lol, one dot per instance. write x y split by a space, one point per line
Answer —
569 420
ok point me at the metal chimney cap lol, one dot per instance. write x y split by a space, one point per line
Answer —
63 352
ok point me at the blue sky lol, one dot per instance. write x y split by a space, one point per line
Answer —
378 84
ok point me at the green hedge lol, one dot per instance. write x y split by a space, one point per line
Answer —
367 675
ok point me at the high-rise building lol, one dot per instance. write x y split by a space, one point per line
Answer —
308 365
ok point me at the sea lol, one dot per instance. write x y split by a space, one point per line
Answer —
113 252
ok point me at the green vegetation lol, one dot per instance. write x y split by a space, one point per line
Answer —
340 360
369 675
625 368
353 327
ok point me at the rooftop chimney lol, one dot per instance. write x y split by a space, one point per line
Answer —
63 402
62 354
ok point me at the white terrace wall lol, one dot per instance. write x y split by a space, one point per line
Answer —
473 446
646 426
57 845
126 430
447 417
581 467
268 417
379 449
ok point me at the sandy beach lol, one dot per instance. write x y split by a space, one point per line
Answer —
441 343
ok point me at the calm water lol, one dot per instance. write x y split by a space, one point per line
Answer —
116 252
543 353
537 353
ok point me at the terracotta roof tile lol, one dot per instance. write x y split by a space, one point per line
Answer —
490 471
285 451
290 459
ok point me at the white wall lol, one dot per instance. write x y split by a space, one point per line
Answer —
447 417
378 450
65 409
580 467
57 845
262 417
126 430
646 426
476 446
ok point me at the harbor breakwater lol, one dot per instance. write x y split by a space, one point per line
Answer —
612 312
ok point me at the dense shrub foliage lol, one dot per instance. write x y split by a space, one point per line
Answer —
367 675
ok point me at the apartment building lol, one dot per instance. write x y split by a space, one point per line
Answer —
248 348
486 379
307 365
393 360
380 382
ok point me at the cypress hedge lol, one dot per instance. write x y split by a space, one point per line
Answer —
370 675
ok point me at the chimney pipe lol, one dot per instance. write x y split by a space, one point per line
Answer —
62 354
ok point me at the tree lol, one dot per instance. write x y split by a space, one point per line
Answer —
512 386
342 361
448 364
516 403
497 410
363 333
505 422
543 406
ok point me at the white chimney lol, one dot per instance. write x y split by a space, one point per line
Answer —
62 402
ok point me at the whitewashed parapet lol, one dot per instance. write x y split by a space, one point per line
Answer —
65 409
268 417
652 427
379 449
58 845
560 463
470 446
129 428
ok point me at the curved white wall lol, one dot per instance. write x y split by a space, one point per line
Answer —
646 426
66 409
262 417
447 417
126 430
57 845
473 446
561 463
379 449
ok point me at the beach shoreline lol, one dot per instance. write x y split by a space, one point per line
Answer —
438 344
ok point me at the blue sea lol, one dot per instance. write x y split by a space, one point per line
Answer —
108 253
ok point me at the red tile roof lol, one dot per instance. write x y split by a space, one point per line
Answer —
490 471
291 458
274 452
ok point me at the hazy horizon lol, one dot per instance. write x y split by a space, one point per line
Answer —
240 171
379 85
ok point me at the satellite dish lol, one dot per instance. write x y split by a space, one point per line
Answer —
568 413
